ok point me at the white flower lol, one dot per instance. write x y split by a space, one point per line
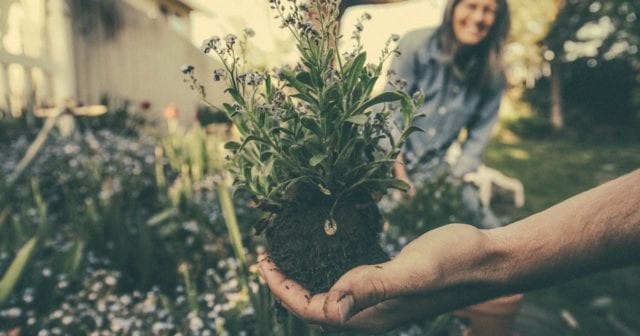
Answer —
125 300
27 297
195 324
110 280
13 312
96 287
67 320
248 32
56 314
230 40
159 326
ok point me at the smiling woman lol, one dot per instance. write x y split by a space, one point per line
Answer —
473 19
458 67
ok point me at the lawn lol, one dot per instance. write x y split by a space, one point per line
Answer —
552 170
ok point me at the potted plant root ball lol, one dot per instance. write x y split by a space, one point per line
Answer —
310 150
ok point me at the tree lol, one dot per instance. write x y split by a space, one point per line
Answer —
593 30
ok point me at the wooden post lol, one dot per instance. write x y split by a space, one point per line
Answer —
61 50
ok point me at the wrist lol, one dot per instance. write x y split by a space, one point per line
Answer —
497 264
475 254
487 263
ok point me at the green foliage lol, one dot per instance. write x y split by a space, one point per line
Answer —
15 270
531 127
598 100
101 203
313 124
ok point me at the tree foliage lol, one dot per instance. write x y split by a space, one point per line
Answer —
585 52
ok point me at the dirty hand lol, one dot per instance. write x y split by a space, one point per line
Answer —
377 298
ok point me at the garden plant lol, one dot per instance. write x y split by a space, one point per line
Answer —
310 152
107 231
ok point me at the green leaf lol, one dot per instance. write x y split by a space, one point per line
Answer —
267 170
359 119
316 159
305 78
266 155
382 184
232 145
344 158
306 97
366 170
246 172
269 88
329 58
384 97
280 129
311 125
15 270
407 110
409 131
229 109
354 71
292 80
368 85
252 138
76 257
235 95
162 216
298 154
289 184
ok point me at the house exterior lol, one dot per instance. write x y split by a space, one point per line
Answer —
52 50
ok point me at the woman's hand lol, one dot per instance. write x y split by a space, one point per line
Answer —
377 298
400 172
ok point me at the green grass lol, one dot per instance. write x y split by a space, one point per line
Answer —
552 170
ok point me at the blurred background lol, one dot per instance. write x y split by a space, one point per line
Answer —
115 212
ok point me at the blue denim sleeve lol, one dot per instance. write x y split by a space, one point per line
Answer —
479 134
410 65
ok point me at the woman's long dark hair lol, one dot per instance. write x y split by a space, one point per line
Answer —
484 67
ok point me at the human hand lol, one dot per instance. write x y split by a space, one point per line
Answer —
400 172
377 298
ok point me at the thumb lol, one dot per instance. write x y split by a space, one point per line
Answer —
356 290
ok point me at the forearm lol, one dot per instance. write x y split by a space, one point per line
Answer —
593 231
458 265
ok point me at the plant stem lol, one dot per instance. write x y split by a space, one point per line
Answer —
228 212
32 151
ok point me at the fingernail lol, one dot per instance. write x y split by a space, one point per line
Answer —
262 257
345 304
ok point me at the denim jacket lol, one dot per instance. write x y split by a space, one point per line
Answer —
449 106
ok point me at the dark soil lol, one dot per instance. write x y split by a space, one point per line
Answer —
298 244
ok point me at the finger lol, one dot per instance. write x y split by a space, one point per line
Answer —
262 257
358 289
384 316
292 295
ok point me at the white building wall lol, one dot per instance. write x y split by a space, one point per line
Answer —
142 63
